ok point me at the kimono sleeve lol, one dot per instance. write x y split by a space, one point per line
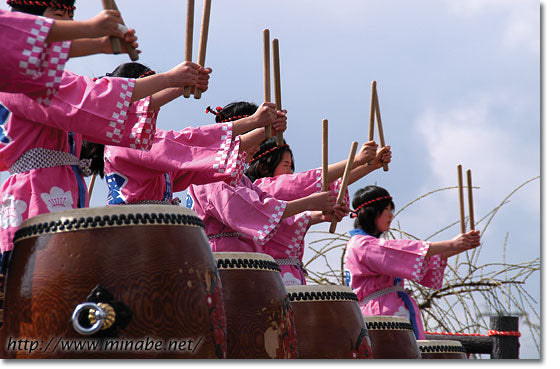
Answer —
28 64
403 258
243 209
433 277
291 186
288 240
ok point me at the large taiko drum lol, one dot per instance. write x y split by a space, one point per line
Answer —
114 282
441 349
260 319
392 337
329 323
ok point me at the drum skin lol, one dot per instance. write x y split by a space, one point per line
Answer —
260 319
159 265
392 337
441 349
329 323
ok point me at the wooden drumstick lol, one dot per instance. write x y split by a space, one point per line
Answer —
115 42
189 40
470 197
344 184
325 183
277 89
132 53
372 111
266 74
203 40
91 183
461 201
380 126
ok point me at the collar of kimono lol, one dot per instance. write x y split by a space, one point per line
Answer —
357 231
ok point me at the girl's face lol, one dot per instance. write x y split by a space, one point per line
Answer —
58 14
383 221
285 165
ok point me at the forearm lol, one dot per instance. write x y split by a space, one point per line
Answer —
295 207
245 125
360 172
63 30
86 46
439 248
161 98
150 85
251 139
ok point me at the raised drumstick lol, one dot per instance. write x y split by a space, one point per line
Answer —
372 111
380 126
203 40
277 88
470 197
344 184
461 201
115 42
266 74
128 47
189 40
91 183
325 183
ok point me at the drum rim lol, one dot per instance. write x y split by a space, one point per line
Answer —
241 255
385 318
320 293
92 218
245 261
440 346
387 322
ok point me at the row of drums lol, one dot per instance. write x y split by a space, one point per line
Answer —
142 282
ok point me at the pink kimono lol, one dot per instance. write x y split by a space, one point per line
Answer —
377 267
237 219
36 143
287 246
177 159
28 64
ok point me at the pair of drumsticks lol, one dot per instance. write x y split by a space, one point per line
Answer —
461 201
266 80
203 41
375 114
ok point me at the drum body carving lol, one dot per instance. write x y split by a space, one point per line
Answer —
260 320
441 349
329 323
392 337
153 260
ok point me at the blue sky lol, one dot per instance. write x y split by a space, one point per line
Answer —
458 83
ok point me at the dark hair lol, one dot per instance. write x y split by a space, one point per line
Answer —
94 151
39 7
367 215
233 110
266 164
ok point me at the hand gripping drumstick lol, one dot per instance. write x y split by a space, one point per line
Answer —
189 40
115 42
380 126
203 40
461 201
266 74
345 178
470 197
277 89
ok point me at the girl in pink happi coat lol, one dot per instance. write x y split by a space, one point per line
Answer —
242 217
272 170
40 146
377 267
179 158
32 56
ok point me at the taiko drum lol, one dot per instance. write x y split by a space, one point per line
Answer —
392 337
441 349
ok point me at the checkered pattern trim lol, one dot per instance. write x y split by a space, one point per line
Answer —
296 246
336 189
241 160
236 162
116 125
223 161
420 266
142 134
437 268
319 178
269 229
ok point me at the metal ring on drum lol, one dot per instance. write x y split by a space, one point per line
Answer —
151 264
329 323
441 349
260 321
392 337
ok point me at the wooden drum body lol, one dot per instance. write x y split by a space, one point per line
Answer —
152 264
392 337
260 319
441 349
329 323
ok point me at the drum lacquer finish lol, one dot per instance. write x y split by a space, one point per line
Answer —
392 337
153 262
329 323
260 320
